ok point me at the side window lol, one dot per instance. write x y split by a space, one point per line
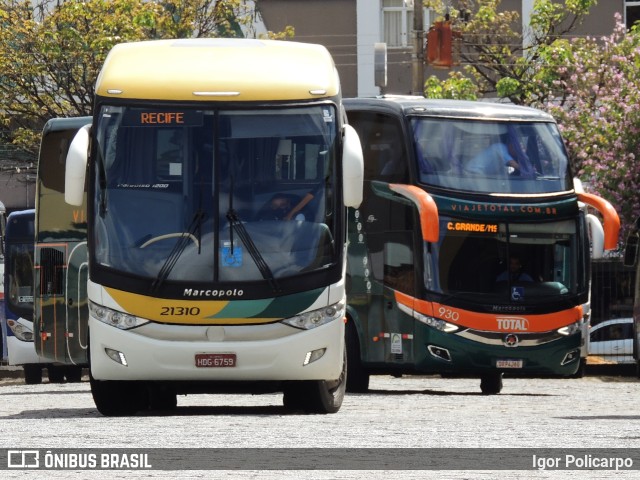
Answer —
388 225
384 152
399 271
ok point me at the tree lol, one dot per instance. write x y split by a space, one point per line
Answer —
592 91
496 52
589 85
51 54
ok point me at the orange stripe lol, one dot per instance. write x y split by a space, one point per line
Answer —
610 216
492 322
427 208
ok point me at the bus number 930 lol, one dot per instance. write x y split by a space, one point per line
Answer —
448 314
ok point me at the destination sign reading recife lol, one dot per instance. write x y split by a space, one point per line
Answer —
472 227
154 118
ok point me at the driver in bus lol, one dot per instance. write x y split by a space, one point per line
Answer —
281 207
515 272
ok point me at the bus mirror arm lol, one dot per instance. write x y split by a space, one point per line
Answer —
610 216
427 208
76 167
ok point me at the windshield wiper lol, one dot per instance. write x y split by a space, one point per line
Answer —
235 224
195 228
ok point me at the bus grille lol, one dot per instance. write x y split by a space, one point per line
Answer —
51 271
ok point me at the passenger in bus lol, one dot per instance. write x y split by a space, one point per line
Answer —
515 272
495 160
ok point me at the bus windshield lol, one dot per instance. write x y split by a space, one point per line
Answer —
490 156
20 278
507 262
215 195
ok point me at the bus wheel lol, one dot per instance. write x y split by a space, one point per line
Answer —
582 368
73 374
357 376
491 383
32 374
117 398
162 398
55 374
316 396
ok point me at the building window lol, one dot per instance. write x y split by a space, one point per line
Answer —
397 22
632 12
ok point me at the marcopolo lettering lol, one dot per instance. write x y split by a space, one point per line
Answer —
194 292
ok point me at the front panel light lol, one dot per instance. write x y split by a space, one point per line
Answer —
569 329
436 323
316 318
21 332
114 318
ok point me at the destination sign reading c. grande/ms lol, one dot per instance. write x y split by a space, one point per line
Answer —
472 227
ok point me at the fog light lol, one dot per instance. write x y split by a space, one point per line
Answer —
311 357
572 356
439 352
116 356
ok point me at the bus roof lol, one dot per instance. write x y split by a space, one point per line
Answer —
466 109
218 70
21 229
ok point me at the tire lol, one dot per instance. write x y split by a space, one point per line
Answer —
118 398
317 396
73 374
582 368
32 374
491 383
357 376
162 398
55 374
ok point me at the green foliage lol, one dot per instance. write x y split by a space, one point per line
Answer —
455 87
51 52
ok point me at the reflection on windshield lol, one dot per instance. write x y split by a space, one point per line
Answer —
168 180
488 156
492 262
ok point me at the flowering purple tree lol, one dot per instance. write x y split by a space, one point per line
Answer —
591 86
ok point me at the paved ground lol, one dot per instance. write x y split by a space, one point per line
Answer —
596 412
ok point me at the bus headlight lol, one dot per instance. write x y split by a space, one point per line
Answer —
569 329
315 318
114 318
21 332
436 323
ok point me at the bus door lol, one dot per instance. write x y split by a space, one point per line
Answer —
389 261
61 308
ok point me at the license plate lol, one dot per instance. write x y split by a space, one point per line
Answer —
215 360
509 363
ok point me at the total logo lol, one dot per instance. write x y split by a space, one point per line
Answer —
517 324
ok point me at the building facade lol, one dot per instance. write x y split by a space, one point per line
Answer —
350 28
